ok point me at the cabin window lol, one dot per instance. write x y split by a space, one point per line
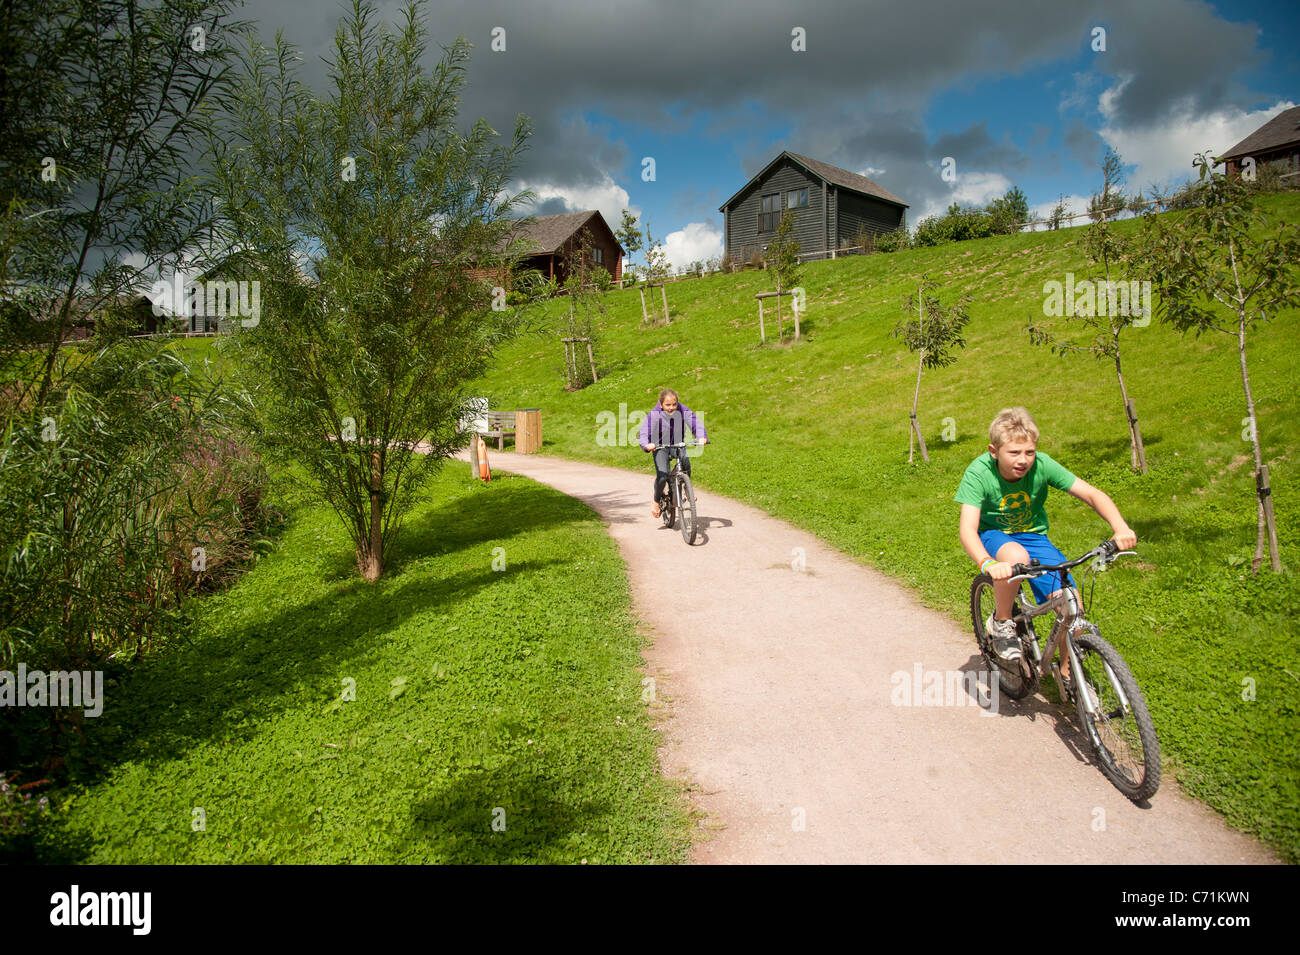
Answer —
770 214
796 198
598 255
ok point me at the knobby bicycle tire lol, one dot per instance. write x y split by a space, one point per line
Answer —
1018 678
686 504
667 512
1124 740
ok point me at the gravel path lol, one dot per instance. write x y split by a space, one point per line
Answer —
781 697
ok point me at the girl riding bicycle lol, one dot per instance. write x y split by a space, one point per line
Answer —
666 424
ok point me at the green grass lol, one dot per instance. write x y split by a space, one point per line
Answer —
816 433
476 690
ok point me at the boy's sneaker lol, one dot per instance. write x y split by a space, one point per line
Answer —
1006 642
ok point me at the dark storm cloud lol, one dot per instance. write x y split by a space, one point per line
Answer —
1083 144
856 98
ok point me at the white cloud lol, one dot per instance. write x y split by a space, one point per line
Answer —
607 196
871 171
698 242
970 189
1163 151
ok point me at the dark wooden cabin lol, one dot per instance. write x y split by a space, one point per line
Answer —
1278 140
552 238
831 207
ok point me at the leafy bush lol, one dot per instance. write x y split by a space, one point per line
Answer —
956 225
892 241
107 489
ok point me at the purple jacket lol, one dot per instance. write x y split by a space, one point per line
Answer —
662 429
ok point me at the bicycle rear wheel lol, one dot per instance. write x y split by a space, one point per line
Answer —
667 512
1018 678
686 503
1120 731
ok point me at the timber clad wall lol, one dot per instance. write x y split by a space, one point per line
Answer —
859 212
745 236
834 215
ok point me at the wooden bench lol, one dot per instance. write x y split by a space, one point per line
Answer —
499 425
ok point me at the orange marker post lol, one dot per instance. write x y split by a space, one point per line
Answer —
484 471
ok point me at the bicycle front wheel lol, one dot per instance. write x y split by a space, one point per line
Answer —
1018 678
686 504
1119 725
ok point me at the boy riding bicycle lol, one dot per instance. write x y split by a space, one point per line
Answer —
1002 495
666 424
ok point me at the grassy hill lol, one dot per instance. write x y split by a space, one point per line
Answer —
816 433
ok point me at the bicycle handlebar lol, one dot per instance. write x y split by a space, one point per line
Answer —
1107 549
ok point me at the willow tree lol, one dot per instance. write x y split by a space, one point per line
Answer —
380 234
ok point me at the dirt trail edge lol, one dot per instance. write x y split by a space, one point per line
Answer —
789 700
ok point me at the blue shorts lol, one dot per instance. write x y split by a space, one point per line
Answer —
1037 546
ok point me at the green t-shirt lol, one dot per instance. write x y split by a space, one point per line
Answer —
1012 506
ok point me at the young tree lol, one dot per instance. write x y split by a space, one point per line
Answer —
1118 306
1009 213
1216 272
656 272
783 259
585 283
1060 213
378 229
1110 201
629 235
932 331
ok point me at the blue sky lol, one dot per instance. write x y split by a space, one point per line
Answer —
712 90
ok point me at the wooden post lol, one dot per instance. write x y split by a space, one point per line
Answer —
794 307
1266 502
762 335
570 363
473 457
664 289
591 359
1139 455
645 316
916 426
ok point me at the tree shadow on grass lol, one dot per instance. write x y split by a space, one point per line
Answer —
224 685
501 816
1115 449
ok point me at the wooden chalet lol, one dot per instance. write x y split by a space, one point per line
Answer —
1278 140
550 239
831 207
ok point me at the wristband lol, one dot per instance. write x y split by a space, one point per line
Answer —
986 562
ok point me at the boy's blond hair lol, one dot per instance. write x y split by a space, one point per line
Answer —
1012 424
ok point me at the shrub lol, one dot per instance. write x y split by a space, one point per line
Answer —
956 225
892 241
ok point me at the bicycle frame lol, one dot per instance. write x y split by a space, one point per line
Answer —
1067 605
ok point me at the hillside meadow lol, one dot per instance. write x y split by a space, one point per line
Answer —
816 432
